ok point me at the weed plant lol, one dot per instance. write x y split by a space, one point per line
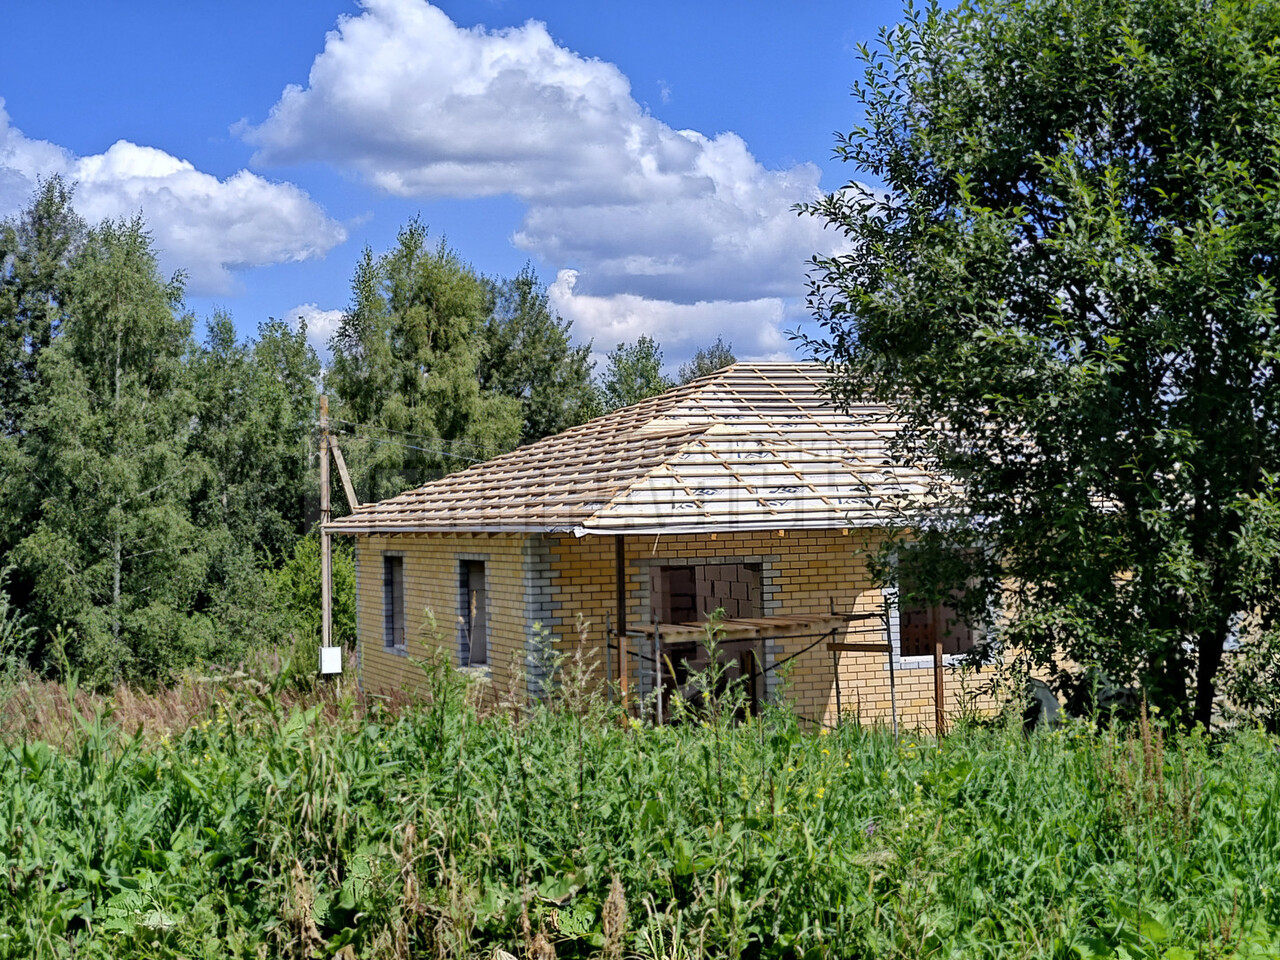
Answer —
563 828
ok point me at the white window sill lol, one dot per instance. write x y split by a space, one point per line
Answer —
926 662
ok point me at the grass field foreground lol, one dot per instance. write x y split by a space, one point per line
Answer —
342 828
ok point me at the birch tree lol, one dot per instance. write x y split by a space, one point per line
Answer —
112 552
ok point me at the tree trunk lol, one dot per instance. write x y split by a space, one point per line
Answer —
116 553
1211 644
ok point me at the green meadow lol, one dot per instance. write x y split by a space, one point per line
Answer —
329 825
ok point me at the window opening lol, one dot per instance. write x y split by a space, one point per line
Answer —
393 602
921 625
689 593
684 593
474 614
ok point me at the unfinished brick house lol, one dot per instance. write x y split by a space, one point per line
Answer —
744 490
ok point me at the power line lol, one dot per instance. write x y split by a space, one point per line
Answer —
409 446
418 436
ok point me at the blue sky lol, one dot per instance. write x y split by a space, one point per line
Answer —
643 157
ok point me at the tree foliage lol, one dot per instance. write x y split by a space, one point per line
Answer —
256 412
256 408
147 481
633 372
406 361
528 355
112 550
155 490
1068 286
297 589
35 252
35 255
707 361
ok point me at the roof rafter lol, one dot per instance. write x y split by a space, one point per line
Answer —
755 446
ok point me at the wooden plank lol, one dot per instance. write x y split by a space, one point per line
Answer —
347 488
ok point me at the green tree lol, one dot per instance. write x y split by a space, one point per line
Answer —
406 362
35 251
528 355
112 552
297 586
1068 285
707 361
633 372
256 404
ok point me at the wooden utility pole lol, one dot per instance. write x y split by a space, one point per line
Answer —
326 545
330 656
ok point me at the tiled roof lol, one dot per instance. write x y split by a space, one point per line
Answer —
755 446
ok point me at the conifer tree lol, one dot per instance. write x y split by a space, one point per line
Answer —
528 355
35 251
406 368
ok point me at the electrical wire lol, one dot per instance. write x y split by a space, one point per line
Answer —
409 446
418 436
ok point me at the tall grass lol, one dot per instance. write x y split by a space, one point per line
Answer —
353 829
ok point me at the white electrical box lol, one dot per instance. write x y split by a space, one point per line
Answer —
330 659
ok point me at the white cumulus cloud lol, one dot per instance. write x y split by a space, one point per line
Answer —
321 325
201 224
418 106
751 326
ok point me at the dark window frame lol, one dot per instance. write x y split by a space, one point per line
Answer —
958 637
473 603
393 603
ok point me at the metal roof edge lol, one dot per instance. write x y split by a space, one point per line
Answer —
580 530
388 530
722 527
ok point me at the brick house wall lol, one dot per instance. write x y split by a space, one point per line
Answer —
566 586
432 565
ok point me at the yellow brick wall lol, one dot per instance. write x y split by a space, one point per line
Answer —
431 582
804 573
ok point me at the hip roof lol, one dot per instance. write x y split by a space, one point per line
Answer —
755 446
